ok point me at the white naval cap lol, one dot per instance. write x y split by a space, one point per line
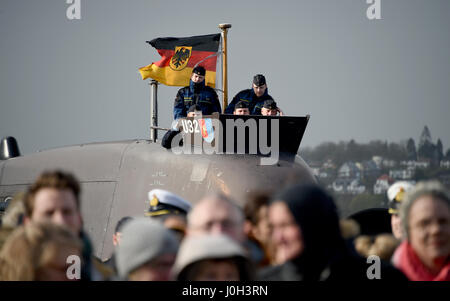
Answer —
165 202
396 194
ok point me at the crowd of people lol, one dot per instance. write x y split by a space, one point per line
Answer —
292 234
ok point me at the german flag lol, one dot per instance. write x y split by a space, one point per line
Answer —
180 56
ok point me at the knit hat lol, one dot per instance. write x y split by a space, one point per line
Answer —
197 248
241 105
270 104
143 240
199 70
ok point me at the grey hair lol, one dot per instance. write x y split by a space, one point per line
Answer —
425 188
219 197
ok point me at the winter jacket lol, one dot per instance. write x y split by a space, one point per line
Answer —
199 94
254 103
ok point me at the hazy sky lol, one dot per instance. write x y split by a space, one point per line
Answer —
65 82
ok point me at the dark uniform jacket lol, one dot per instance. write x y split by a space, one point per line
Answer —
198 94
254 103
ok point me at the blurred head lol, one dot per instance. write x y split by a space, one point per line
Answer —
157 269
286 235
211 258
425 215
256 217
118 230
382 245
241 108
54 197
170 209
304 223
146 252
176 223
198 74
269 108
259 85
396 193
216 214
38 251
259 90
194 111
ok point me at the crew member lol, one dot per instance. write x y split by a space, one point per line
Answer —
270 108
241 108
197 93
170 209
396 193
253 96
194 111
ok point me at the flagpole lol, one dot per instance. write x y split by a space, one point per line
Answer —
224 27
153 110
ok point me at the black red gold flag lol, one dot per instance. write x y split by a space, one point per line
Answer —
179 56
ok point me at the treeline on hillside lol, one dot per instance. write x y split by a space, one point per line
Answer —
343 151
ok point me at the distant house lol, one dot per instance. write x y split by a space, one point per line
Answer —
340 185
415 164
402 174
378 161
315 171
347 185
445 164
444 179
323 174
382 184
329 164
356 187
349 170
389 163
423 164
370 169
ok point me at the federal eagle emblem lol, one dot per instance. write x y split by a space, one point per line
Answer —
154 201
181 57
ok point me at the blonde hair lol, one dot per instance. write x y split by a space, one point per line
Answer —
31 247
382 245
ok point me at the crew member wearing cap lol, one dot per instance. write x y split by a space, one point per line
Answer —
170 209
396 194
197 93
270 108
241 108
258 94
194 111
